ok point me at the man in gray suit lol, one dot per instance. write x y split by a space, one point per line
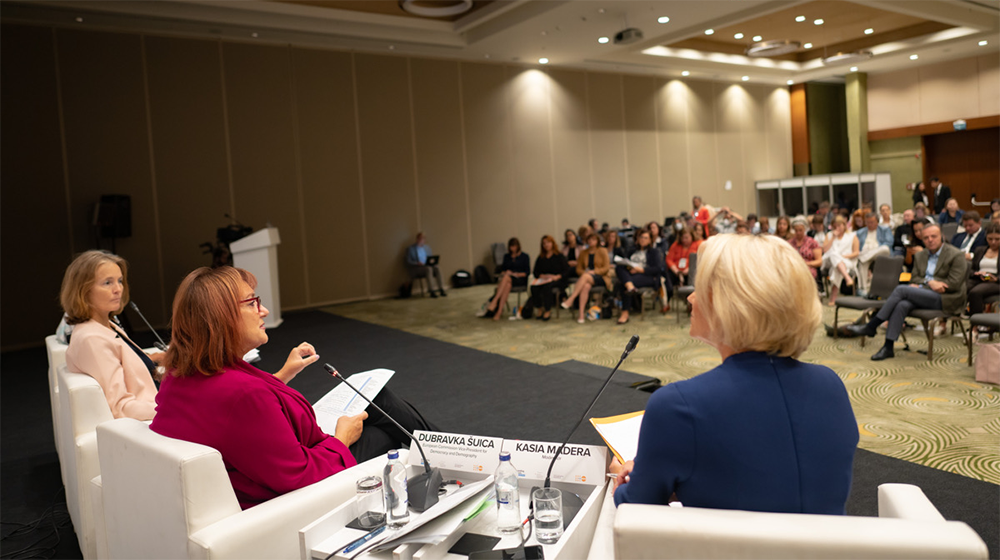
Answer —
938 277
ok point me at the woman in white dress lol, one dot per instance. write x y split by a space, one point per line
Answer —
840 253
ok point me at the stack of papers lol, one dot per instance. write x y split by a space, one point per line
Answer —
621 433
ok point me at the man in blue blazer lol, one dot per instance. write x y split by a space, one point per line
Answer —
973 237
938 282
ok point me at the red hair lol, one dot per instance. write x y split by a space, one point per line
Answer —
555 248
206 332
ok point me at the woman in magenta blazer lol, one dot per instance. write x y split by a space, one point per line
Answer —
265 430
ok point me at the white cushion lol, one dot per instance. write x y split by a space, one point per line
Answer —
56 352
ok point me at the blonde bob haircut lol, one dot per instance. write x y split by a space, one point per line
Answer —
757 294
74 296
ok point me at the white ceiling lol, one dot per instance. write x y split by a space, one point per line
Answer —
523 31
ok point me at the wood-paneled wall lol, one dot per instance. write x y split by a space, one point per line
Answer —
348 154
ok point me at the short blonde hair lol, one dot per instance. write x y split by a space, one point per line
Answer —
79 279
757 294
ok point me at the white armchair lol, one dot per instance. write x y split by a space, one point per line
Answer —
57 356
908 526
82 408
167 498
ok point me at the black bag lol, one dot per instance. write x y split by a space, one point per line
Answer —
405 289
482 276
461 279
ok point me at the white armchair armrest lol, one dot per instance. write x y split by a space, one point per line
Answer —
906 501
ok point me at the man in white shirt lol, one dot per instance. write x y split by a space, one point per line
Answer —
874 240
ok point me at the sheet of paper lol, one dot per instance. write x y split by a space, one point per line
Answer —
621 433
541 281
627 262
342 401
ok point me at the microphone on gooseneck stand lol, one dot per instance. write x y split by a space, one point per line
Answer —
572 503
422 490
160 345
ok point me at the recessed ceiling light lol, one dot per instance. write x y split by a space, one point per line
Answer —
790 82
79 20
602 40
543 61
663 19
738 36
800 19
914 57
983 43
254 35
745 78
709 31
807 46
600 10
854 68
869 31
757 38
818 21
685 73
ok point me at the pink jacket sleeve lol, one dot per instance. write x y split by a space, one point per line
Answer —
101 357
266 449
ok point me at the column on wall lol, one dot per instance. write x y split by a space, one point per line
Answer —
856 93
800 131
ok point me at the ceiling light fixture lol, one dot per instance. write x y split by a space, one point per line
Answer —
771 48
914 56
800 19
869 31
663 19
79 20
854 68
543 61
757 38
685 73
602 40
254 35
818 21
487 55
807 46
983 43
709 31
738 36
847 57
422 9
790 82
745 78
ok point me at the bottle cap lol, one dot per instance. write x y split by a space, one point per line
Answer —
505 455
394 454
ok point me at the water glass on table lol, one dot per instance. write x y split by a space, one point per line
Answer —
370 508
548 515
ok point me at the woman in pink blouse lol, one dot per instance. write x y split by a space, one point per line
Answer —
265 430
94 290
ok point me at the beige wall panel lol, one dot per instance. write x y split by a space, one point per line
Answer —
640 143
331 189
989 84
34 215
949 90
570 150
492 204
731 107
531 174
107 149
757 144
265 182
189 143
387 167
440 168
672 122
705 179
778 123
893 99
607 146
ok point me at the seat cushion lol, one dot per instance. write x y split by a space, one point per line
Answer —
855 302
928 314
985 320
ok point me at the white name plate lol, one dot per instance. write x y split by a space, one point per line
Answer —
585 464
460 452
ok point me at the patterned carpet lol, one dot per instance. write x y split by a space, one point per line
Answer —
932 413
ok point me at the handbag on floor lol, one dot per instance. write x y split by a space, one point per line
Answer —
988 363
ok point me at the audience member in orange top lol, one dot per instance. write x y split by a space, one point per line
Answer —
679 256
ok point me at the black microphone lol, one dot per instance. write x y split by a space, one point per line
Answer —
421 490
161 345
571 502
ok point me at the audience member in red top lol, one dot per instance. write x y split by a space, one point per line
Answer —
701 213
265 430
679 256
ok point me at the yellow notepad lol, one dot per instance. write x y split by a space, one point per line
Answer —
621 433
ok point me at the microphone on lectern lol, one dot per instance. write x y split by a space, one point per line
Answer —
571 502
422 490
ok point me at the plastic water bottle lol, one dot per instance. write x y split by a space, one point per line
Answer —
508 500
396 500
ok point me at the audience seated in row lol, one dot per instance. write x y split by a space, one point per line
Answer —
593 268
644 269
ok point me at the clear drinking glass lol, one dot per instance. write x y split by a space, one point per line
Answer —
370 508
548 515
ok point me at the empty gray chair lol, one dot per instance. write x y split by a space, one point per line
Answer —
989 320
885 278
682 292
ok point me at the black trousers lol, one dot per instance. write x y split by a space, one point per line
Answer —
543 296
639 280
978 292
380 435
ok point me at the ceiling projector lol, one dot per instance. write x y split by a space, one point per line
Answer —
628 36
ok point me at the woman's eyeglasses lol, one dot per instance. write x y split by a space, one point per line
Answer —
255 300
